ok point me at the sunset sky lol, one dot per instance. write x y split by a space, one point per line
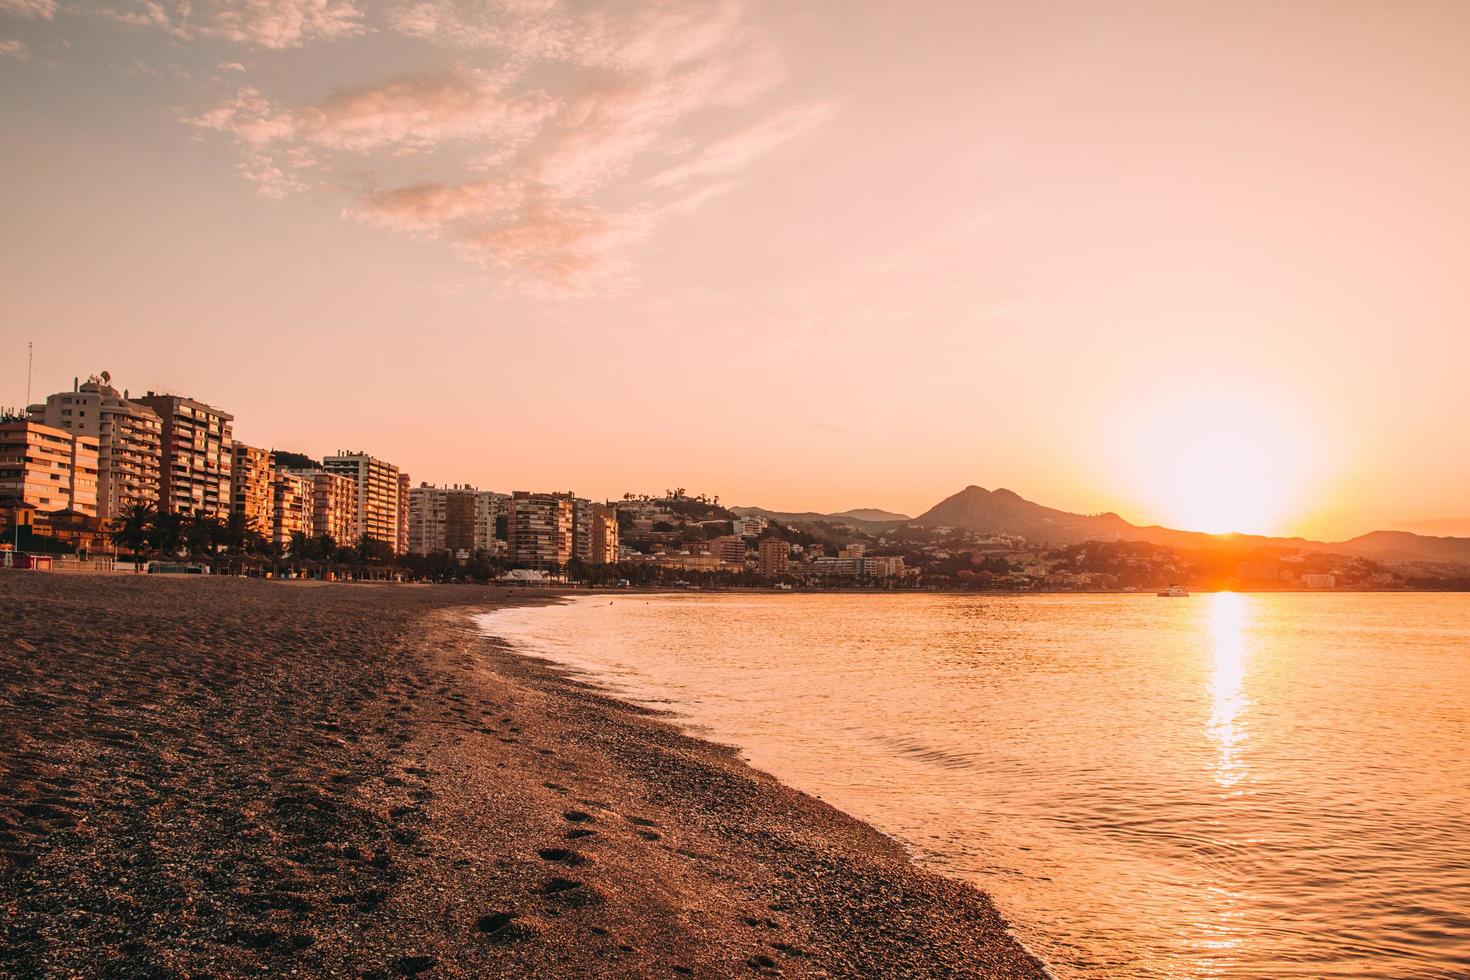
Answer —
1204 264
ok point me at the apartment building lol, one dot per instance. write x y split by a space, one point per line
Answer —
729 549
859 567
291 502
749 527
381 507
48 468
252 487
457 519
403 484
581 528
197 455
604 535
333 506
539 528
594 531
129 440
773 557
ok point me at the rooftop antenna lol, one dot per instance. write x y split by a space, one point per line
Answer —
30 359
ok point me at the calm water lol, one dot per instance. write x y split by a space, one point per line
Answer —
1218 786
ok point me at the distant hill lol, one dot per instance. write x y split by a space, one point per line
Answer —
1004 511
294 461
1007 512
873 514
867 519
1405 545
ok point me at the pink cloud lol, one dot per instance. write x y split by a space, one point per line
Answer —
431 207
14 49
36 9
538 180
267 23
406 114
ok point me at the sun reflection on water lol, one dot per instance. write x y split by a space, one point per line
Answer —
1226 728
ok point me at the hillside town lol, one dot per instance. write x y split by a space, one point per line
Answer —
100 477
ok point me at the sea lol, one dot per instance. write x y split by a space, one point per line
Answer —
1223 785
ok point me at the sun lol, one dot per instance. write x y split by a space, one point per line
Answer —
1221 460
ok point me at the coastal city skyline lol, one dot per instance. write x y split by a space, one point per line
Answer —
459 473
1173 266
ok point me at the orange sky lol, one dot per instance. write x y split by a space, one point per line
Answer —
1198 263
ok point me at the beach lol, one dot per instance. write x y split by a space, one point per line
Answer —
241 777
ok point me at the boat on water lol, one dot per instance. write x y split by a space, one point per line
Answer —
1175 592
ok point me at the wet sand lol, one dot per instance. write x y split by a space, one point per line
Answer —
229 777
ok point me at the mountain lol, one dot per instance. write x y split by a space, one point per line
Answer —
1406 546
1005 511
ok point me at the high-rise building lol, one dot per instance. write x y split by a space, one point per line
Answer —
197 455
291 500
454 519
581 528
729 549
539 528
252 485
333 506
48 468
773 555
594 531
402 544
604 535
128 435
379 495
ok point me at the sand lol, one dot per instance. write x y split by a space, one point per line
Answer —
231 777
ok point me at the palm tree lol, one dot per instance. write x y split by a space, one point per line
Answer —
203 533
132 529
166 533
239 533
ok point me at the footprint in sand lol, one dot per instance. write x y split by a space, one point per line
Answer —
412 966
561 855
504 927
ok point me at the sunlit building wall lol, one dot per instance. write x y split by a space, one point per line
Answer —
129 441
381 502
48 468
197 455
252 492
539 528
292 507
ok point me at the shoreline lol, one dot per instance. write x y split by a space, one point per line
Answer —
245 779
584 677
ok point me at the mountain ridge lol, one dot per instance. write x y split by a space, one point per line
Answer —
1003 511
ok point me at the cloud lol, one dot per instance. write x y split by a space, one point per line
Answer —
404 115
734 153
539 242
540 167
33 9
14 49
273 24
